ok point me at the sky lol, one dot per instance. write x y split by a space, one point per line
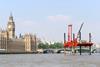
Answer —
49 19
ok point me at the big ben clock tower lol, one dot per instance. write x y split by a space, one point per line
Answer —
11 27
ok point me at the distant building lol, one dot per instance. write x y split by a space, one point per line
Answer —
10 43
30 42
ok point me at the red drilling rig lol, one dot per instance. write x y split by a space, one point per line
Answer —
76 41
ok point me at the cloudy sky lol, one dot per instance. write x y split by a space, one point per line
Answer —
48 19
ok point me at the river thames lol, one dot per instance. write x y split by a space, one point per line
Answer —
49 60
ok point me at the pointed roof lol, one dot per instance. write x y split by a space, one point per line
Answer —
11 17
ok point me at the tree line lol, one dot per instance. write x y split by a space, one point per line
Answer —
55 45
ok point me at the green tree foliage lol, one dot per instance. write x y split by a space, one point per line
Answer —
43 45
56 45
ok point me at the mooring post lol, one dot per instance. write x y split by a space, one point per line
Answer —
80 42
64 43
90 49
73 46
80 50
90 42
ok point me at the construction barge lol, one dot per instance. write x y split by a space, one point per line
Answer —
76 41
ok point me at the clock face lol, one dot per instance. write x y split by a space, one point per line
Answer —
9 26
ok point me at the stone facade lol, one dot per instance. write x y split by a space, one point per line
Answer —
30 42
9 43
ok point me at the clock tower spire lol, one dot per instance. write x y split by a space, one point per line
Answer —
11 27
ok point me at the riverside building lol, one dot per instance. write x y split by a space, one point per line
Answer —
10 43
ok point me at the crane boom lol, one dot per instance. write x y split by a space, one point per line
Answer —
80 27
78 34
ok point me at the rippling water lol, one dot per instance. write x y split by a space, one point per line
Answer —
49 60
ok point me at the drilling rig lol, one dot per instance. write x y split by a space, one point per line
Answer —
76 41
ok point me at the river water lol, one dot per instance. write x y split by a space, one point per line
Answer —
49 60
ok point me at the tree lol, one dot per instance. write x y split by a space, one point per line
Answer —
56 45
43 45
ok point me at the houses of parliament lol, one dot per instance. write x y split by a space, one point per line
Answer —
10 43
